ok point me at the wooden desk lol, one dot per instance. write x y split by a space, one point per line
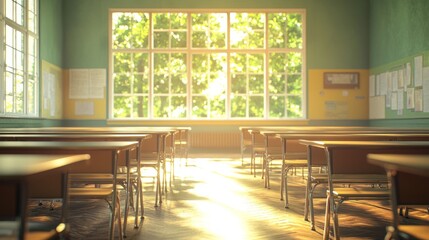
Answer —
291 139
99 151
97 137
158 134
16 171
410 163
409 175
350 158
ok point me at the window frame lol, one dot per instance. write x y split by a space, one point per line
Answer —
228 50
27 33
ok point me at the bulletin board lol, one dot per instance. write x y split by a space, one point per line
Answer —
85 93
339 102
51 91
404 85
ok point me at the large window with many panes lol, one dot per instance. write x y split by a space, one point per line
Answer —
19 76
194 64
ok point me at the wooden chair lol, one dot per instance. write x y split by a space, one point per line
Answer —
245 142
258 150
352 164
182 143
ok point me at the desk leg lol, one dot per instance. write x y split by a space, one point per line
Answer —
127 191
327 217
114 197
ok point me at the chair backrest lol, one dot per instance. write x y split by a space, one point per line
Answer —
245 137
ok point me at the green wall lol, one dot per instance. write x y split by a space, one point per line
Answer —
399 31
337 30
51 32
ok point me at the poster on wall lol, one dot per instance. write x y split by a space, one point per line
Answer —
418 78
87 83
418 100
410 98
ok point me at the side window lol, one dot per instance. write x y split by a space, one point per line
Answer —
19 76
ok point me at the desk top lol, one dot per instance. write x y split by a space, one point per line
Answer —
81 137
348 135
331 129
90 130
28 164
78 145
416 164
364 144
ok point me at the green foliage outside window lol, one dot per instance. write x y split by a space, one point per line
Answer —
186 66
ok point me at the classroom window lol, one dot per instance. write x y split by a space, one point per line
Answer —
207 65
19 76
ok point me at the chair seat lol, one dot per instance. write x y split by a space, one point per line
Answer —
296 163
363 193
414 231
96 178
348 178
85 193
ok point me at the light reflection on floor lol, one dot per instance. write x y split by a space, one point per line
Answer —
219 199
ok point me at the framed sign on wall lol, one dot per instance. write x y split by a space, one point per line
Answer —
341 80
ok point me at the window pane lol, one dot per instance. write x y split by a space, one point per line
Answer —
294 107
247 30
199 106
130 30
31 96
239 83
140 83
238 106
122 83
170 30
277 106
178 107
294 31
294 84
140 106
256 106
161 106
126 107
217 107
209 30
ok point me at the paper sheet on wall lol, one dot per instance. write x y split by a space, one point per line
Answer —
383 84
394 101
408 74
372 86
410 98
394 79
400 101
418 64
97 78
79 84
87 83
425 89
377 107
418 100
49 86
401 78
84 108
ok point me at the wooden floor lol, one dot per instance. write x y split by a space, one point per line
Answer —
217 198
